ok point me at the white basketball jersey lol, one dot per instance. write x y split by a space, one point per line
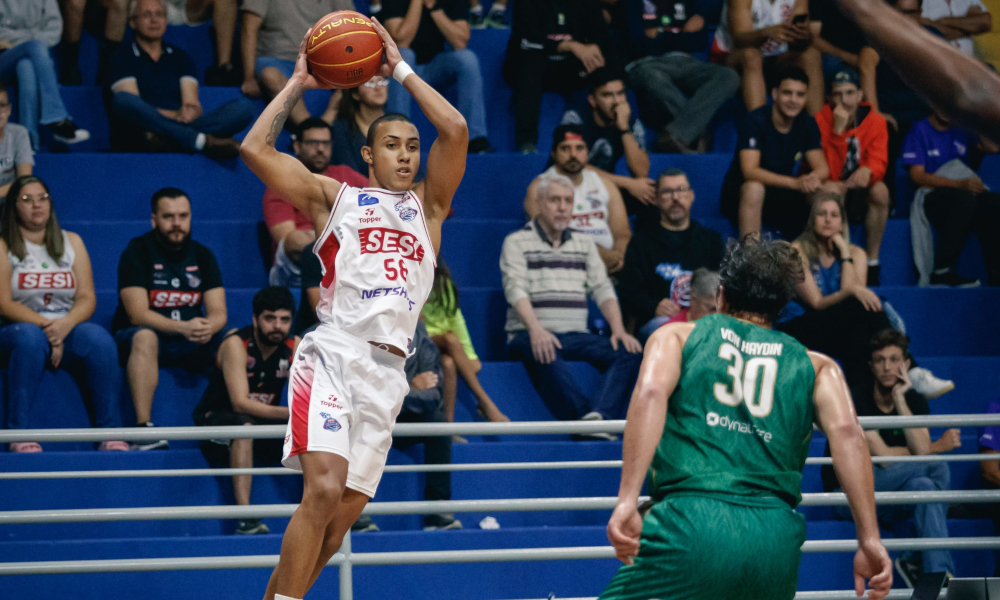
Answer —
42 284
590 208
765 14
378 265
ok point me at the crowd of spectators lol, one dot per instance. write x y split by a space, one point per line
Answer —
603 260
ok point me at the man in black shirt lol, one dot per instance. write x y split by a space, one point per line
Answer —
553 45
251 370
421 28
312 276
891 394
662 256
172 305
762 184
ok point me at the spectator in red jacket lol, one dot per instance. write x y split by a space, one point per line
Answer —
856 146
292 230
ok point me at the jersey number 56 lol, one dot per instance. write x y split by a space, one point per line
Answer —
744 384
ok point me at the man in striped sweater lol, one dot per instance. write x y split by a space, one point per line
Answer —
548 271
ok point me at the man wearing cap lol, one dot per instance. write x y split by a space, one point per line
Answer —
598 209
855 142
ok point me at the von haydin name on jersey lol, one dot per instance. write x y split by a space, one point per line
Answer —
752 348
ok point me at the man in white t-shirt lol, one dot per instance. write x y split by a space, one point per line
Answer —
598 208
958 20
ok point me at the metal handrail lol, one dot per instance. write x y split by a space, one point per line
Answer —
425 507
437 557
149 434
502 466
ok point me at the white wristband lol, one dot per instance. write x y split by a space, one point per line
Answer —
401 71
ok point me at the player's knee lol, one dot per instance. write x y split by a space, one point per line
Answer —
323 495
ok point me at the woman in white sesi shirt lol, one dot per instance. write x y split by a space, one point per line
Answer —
46 297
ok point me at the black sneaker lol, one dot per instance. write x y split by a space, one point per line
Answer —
363 524
480 145
476 18
251 527
666 143
158 445
874 271
219 148
908 572
67 132
223 76
952 279
441 522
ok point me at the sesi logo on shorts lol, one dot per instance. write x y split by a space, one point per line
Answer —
27 280
384 240
171 299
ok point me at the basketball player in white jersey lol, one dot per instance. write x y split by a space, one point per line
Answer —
377 246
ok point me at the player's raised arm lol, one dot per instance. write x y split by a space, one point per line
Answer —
446 160
279 171
853 465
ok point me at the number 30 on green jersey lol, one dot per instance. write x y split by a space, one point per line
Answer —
743 388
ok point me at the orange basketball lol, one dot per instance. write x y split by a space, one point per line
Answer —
344 50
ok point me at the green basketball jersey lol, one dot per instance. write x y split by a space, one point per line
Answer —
740 420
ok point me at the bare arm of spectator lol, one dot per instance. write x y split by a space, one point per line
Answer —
647 414
531 200
589 54
456 31
949 440
817 164
250 26
641 187
603 292
614 257
136 302
975 22
404 29
233 362
918 439
215 309
190 104
313 297
853 466
295 239
921 178
752 171
613 315
827 48
990 469
810 294
22 170
85 301
635 157
10 310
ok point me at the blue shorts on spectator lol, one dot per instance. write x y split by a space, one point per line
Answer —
175 350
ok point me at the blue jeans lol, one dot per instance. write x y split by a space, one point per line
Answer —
37 86
89 352
460 67
651 325
224 121
286 67
557 386
930 519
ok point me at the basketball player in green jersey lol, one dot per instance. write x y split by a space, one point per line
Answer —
721 417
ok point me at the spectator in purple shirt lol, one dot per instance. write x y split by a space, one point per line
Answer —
955 205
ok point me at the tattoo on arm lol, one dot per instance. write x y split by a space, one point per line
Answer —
279 119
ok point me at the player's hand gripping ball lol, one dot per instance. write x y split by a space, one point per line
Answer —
344 50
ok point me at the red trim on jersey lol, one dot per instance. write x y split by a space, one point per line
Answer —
327 254
423 219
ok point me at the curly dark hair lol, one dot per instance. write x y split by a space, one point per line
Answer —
890 337
759 275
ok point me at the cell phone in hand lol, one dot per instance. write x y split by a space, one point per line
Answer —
800 19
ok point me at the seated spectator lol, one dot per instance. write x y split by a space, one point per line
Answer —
756 38
953 199
844 47
598 210
16 157
493 19
250 372
106 22
172 304
359 107
154 102
424 405
553 45
291 230
446 326
704 297
656 278
856 146
270 34
548 272
311 275
46 297
611 132
890 395
223 14
678 94
834 312
28 29
421 28
958 21
761 184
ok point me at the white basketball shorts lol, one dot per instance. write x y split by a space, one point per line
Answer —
343 397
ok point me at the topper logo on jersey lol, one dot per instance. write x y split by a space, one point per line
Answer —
27 280
369 217
375 240
168 299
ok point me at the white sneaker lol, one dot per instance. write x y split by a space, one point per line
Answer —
931 387
596 416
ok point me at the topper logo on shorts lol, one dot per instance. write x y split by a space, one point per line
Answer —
330 424
330 402
376 240
45 281
169 299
